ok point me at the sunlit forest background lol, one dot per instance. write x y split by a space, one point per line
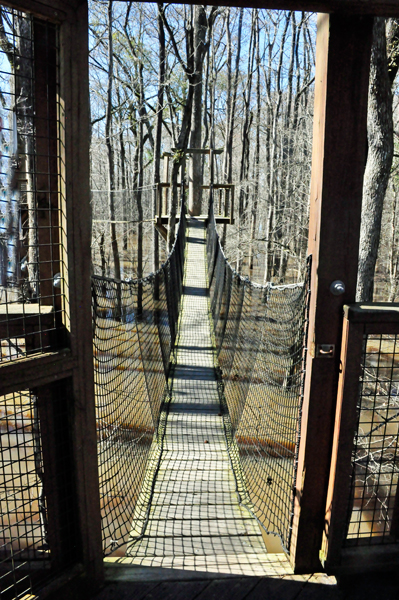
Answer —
252 72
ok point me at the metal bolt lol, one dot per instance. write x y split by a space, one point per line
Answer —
337 287
57 280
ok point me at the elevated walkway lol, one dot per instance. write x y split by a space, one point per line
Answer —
195 518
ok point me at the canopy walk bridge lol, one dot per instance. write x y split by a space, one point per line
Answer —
210 366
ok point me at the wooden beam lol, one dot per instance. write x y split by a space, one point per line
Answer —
35 371
59 10
366 560
339 156
164 220
163 232
24 309
201 150
219 186
383 8
55 11
373 312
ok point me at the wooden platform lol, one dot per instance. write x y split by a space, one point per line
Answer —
164 584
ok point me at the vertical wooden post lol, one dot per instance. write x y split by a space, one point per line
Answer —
158 210
344 430
339 156
75 170
55 416
165 180
211 181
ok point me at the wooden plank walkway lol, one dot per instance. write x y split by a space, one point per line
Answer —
195 519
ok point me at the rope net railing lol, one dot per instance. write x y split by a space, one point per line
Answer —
134 330
260 337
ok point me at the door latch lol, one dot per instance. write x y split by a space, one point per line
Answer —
325 350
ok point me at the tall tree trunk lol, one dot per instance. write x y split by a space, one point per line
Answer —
245 141
111 170
286 178
379 162
182 141
195 165
257 151
272 200
140 214
177 163
24 110
122 157
393 250
20 120
230 118
158 130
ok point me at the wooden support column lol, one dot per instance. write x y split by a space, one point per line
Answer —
345 427
75 185
339 156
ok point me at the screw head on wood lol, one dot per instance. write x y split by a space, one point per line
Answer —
337 287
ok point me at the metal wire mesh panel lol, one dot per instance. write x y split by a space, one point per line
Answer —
23 531
38 534
32 271
134 329
33 307
260 338
375 457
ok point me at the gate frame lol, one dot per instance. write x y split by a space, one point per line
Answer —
360 319
72 366
339 152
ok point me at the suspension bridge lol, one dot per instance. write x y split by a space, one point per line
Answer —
199 387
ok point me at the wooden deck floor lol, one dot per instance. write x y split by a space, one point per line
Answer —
173 586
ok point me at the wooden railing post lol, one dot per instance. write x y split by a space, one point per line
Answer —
166 158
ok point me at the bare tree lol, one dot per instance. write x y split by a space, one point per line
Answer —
158 126
109 144
379 161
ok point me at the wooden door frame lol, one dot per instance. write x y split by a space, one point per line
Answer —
337 173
